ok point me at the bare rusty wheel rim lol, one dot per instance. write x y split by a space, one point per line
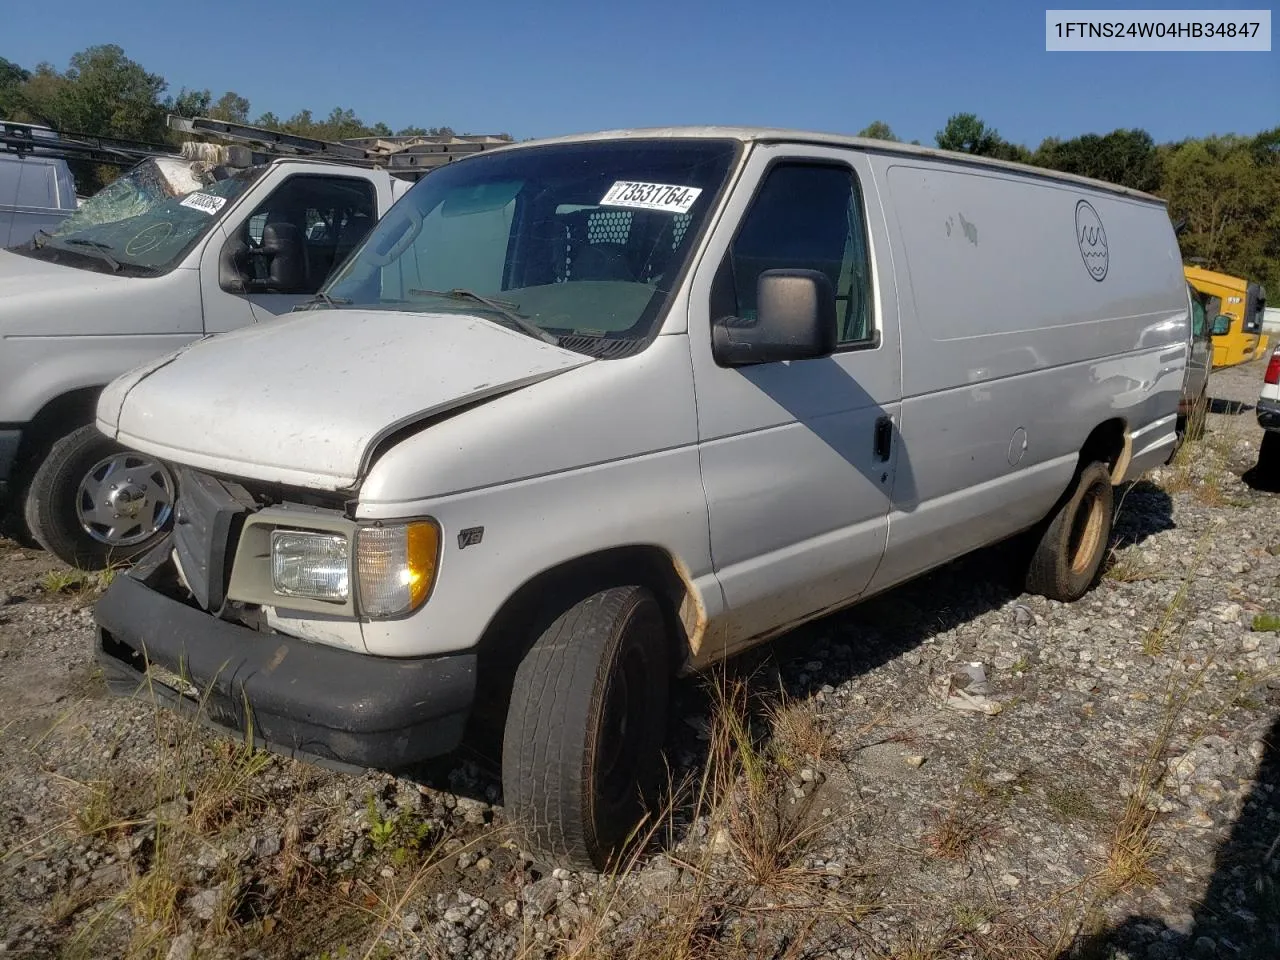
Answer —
1086 532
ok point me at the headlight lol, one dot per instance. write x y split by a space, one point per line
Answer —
315 565
396 565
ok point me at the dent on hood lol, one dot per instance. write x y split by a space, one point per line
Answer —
313 401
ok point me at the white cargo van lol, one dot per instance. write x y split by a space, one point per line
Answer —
584 414
36 194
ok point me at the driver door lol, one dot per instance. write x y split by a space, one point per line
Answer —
798 458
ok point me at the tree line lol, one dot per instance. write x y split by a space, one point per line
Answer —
104 93
1223 190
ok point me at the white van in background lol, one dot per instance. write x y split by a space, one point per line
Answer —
36 194
582 414
1271 321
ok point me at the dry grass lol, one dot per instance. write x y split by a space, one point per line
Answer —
801 735
1129 567
743 879
766 827
1134 845
957 831
199 801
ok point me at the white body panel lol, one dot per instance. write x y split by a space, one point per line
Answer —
998 353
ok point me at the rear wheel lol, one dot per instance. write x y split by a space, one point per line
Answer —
93 502
1070 551
582 747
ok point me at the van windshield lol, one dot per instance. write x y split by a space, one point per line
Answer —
583 240
143 222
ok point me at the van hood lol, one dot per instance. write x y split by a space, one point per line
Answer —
305 399
39 298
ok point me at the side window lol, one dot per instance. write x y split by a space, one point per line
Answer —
303 230
807 216
1213 308
1197 316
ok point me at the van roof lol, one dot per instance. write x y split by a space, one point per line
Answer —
784 135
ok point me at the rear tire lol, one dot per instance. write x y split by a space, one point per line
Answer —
582 747
1268 468
1069 553
93 502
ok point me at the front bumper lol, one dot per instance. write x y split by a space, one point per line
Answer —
333 707
1269 414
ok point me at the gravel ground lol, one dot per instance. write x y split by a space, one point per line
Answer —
1104 785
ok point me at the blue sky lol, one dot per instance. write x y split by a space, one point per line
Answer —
539 69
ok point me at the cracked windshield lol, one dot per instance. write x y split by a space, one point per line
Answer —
146 220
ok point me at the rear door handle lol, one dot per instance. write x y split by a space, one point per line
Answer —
883 438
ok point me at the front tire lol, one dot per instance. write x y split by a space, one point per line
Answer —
582 746
1070 551
93 502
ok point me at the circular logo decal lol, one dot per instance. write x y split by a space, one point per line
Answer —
149 238
1092 240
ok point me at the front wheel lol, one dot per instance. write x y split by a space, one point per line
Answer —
93 502
1071 548
582 748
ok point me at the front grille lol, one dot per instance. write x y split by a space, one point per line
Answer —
207 522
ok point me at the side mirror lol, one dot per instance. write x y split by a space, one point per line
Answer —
230 278
1221 325
795 320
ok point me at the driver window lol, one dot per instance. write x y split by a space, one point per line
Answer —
807 216
303 230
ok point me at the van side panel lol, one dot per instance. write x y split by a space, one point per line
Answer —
33 196
1024 326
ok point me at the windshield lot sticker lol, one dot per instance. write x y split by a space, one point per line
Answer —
650 196
204 202
1092 240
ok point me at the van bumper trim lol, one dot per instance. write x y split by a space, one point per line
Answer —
336 708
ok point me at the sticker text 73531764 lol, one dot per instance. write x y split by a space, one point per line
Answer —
204 202
650 196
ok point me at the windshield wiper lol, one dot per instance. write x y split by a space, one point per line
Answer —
41 238
498 306
102 249
324 298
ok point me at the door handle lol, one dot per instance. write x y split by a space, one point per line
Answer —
883 438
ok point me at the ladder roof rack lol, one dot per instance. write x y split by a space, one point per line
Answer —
410 155
32 139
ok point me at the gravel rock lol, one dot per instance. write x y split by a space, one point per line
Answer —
182 948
